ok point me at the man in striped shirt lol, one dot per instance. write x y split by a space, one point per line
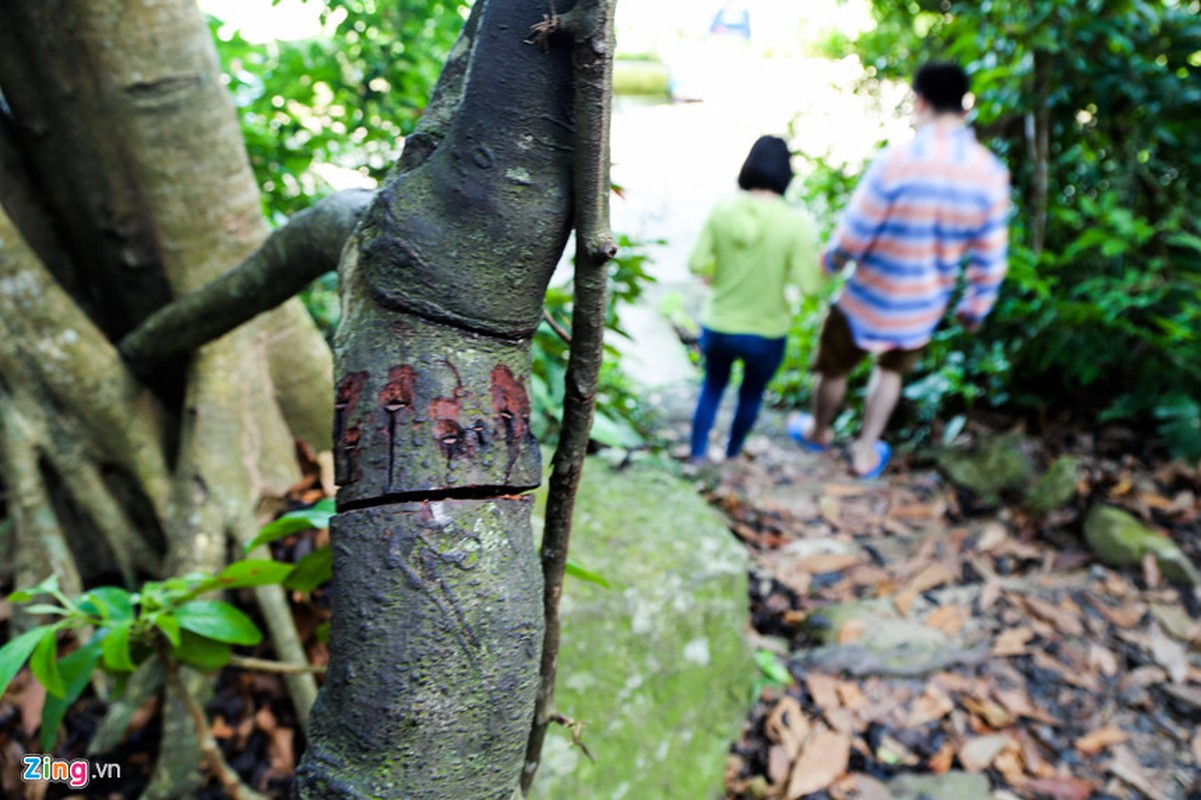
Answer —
921 211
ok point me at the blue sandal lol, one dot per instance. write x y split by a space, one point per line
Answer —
885 453
796 431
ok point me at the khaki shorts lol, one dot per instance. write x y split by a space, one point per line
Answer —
837 354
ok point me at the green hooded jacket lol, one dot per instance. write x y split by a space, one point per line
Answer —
751 248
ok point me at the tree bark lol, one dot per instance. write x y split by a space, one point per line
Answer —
437 623
308 246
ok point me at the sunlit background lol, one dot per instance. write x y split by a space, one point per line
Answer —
697 83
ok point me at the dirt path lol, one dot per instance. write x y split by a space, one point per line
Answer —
934 647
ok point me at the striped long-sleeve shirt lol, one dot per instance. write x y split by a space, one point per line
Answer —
920 211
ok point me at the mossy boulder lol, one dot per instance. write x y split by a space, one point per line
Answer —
1056 487
1121 540
656 666
994 466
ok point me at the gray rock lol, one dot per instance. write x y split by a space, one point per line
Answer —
1120 540
951 786
656 666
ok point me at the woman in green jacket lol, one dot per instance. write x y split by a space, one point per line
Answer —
752 247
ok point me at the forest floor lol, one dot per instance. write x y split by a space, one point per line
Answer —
920 641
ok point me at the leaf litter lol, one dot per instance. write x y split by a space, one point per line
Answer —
1041 669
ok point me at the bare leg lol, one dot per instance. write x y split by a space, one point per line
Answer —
883 391
828 393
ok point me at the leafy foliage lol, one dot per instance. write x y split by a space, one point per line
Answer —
620 420
166 618
345 98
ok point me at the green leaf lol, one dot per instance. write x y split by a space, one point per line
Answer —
217 620
772 669
47 608
44 664
316 516
48 586
323 633
201 652
613 433
14 653
313 570
116 648
252 572
169 625
76 669
108 603
576 571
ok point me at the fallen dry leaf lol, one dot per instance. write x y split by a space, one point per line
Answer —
1012 642
1169 654
948 619
931 577
1197 747
1017 702
1061 788
1009 764
1151 571
892 752
932 705
828 562
830 509
787 726
851 695
824 758
1124 616
824 690
1125 767
779 764
978 754
940 763
281 751
989 594
1067 622
993 715
1093 743
1141 677
904 601
1102 659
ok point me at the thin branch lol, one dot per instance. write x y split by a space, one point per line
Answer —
214 760
308 246
592 24
563 333
276 667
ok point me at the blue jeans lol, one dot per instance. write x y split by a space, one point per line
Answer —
760 357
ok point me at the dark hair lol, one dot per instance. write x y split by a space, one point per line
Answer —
942 84
768 166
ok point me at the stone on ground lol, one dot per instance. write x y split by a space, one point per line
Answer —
951 786
1121 540
994 466
657 665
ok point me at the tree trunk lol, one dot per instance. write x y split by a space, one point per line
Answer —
123 182
437 619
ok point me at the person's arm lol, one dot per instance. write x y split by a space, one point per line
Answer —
703 259
861 221
987 255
